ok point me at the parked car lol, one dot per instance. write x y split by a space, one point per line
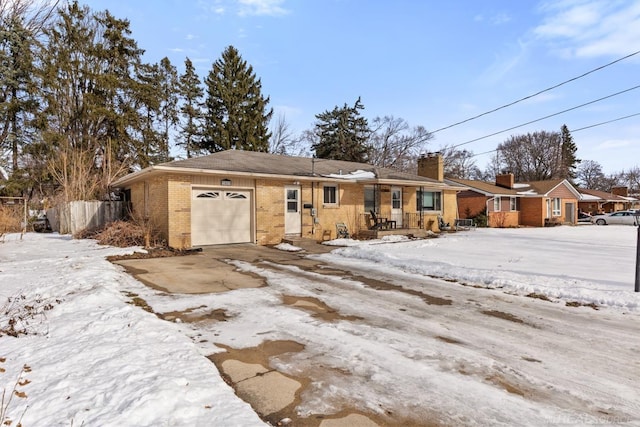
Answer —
584 217
620 217
41 224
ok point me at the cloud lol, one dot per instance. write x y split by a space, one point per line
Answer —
614 143
587 28
262 7
497 19
500 18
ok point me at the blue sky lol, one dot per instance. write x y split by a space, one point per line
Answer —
432 63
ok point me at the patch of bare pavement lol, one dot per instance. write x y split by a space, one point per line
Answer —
284 380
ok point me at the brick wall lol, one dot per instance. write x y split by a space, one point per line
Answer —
533 211
179 211
504 219
269 211
470 204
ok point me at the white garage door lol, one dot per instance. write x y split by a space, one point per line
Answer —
220 216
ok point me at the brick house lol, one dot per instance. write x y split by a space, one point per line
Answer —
595 201
242 196
511 204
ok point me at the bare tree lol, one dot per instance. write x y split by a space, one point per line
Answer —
590 176
459 163
281 136
34 14
535 156
394 144
630 179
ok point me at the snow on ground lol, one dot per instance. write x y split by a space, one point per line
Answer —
96 359
588 264
93 359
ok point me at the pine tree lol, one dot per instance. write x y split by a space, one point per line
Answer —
90 115
569 162
18 90
190 92
342 134
236 115
168 103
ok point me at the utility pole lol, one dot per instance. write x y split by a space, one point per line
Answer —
637 223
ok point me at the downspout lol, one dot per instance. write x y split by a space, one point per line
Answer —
488 220
422 224
313 218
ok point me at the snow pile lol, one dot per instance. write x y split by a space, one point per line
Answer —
584 264
93 358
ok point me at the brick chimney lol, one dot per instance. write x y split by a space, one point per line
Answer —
431 166
620 191
505 180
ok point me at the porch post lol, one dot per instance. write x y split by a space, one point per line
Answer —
637 286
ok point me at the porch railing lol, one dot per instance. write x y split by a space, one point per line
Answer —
410 220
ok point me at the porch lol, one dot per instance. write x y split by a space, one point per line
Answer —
413 224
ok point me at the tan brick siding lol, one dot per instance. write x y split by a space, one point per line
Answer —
179 211
269 211
169 206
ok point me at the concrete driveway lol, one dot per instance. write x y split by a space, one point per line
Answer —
208 271
272 394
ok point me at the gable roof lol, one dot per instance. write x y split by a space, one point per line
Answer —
593 195
258 164
521 189
486 188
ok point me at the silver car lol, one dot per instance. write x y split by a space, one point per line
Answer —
620 217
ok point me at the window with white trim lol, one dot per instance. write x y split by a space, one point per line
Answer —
330 194
513 203
557 206
496 204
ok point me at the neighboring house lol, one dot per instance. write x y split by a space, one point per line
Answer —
511 204
244 196
594 201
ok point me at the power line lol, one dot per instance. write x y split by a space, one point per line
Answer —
604 123
546 117
537 93
572 131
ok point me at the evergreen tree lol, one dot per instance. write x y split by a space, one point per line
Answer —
568 162
168 103
89 121
152 148
191 93
18 89
236 115
342 134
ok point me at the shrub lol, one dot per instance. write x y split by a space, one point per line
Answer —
11 218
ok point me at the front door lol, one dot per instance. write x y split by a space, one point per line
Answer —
569 213
396 205
292 214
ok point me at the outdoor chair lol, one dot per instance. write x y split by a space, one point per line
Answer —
464 224
443 226
378 223
342 232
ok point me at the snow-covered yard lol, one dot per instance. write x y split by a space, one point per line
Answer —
437 350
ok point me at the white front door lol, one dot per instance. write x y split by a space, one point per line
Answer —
396 205
292 214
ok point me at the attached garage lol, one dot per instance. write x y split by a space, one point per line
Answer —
220 216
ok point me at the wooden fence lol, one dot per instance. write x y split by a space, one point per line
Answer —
80 215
